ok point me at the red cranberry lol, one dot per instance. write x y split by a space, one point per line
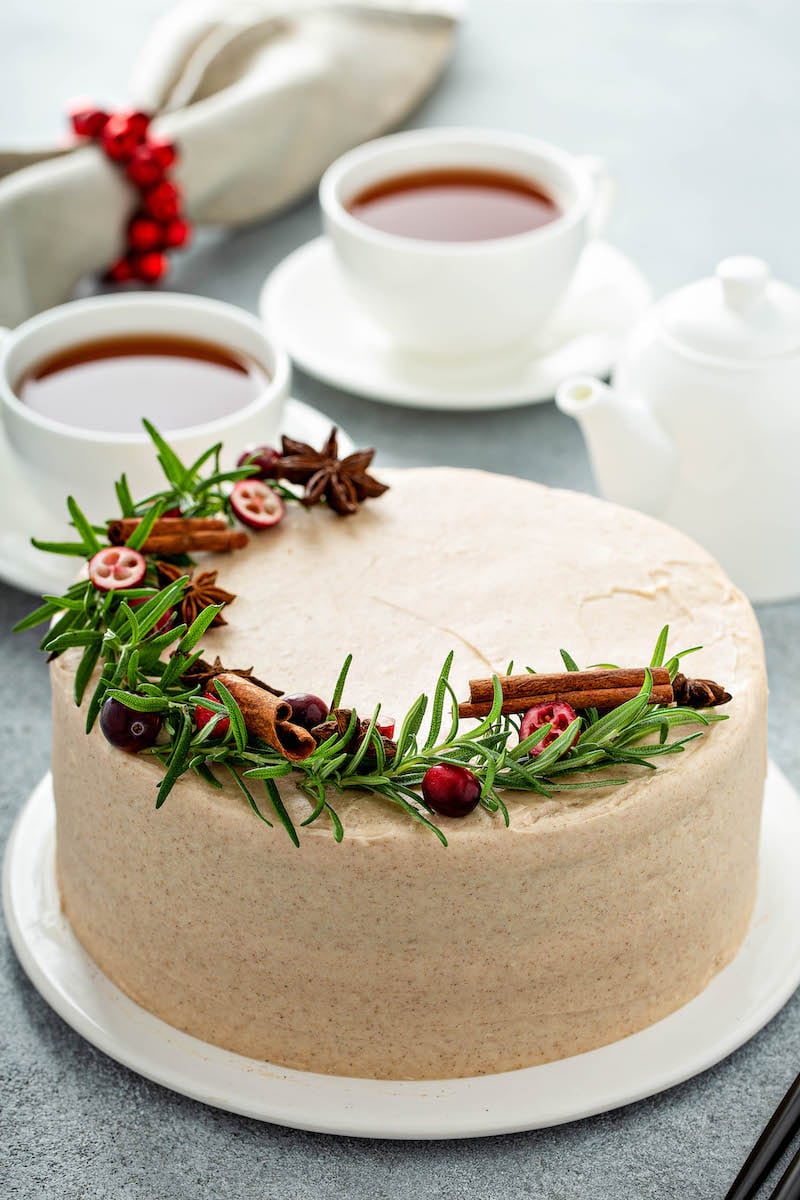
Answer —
143 167
164 152
559 714
138 122
144 233
163 621
177 233
122 134
116 567
203 715
163 201
451 790
127 729
385 726
88 122
307 710
120 272
151 266
263 457
257 505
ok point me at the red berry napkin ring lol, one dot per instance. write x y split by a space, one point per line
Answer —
157 224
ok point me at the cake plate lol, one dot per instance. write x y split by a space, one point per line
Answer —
735 1005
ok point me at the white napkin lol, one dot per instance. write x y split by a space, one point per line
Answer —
261 96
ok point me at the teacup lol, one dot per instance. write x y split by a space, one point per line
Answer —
44 460
457 298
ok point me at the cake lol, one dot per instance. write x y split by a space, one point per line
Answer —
388 955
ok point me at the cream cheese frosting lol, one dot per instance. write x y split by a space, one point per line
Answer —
595 914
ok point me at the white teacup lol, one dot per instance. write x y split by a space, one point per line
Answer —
43 460
456 298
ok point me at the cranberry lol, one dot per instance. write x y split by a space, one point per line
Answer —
88 122
138 122
163 622
307 710
122 134
203 715
256 505
117 567
177 233
559 714
385 726
144 233
151 266
451 790
120 272
127 729
164 152
143 167
163 201
265 458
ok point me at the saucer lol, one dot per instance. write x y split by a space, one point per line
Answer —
32 570
306 306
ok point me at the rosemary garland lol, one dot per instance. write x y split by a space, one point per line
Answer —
125 656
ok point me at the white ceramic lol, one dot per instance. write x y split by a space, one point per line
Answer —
702 425
29 569
43 460
461 298
308 309
735 1005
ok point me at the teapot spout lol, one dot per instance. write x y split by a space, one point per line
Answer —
631 455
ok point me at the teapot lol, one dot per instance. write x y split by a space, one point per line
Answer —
701 425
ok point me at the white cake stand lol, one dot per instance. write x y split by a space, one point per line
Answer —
735 1005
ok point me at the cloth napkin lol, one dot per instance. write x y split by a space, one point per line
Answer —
261 96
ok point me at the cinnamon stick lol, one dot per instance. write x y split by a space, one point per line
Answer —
180 535
268 718
121 529
514 686
603 689
212 541
601 698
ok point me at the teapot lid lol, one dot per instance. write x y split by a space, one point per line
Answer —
740 313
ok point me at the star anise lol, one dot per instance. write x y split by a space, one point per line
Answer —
338 722
201 591
342 482
201 673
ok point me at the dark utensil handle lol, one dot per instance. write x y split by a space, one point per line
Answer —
779 1131
789 1186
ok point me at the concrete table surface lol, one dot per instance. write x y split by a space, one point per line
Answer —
694 105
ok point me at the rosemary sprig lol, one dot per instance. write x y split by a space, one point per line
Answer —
632 735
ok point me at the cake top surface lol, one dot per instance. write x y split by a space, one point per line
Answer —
491 567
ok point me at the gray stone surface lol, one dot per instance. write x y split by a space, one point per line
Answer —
694 105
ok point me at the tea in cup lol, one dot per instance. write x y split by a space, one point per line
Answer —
459 241
76 381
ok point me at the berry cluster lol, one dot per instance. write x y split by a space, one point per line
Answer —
157 225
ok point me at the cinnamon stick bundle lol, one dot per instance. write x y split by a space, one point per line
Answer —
268 717
180 535
604 689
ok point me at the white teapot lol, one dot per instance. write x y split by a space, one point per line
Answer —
702 424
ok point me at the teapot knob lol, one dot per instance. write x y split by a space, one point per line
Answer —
744 279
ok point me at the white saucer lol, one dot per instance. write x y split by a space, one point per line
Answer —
306 306
735 1005
33 571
